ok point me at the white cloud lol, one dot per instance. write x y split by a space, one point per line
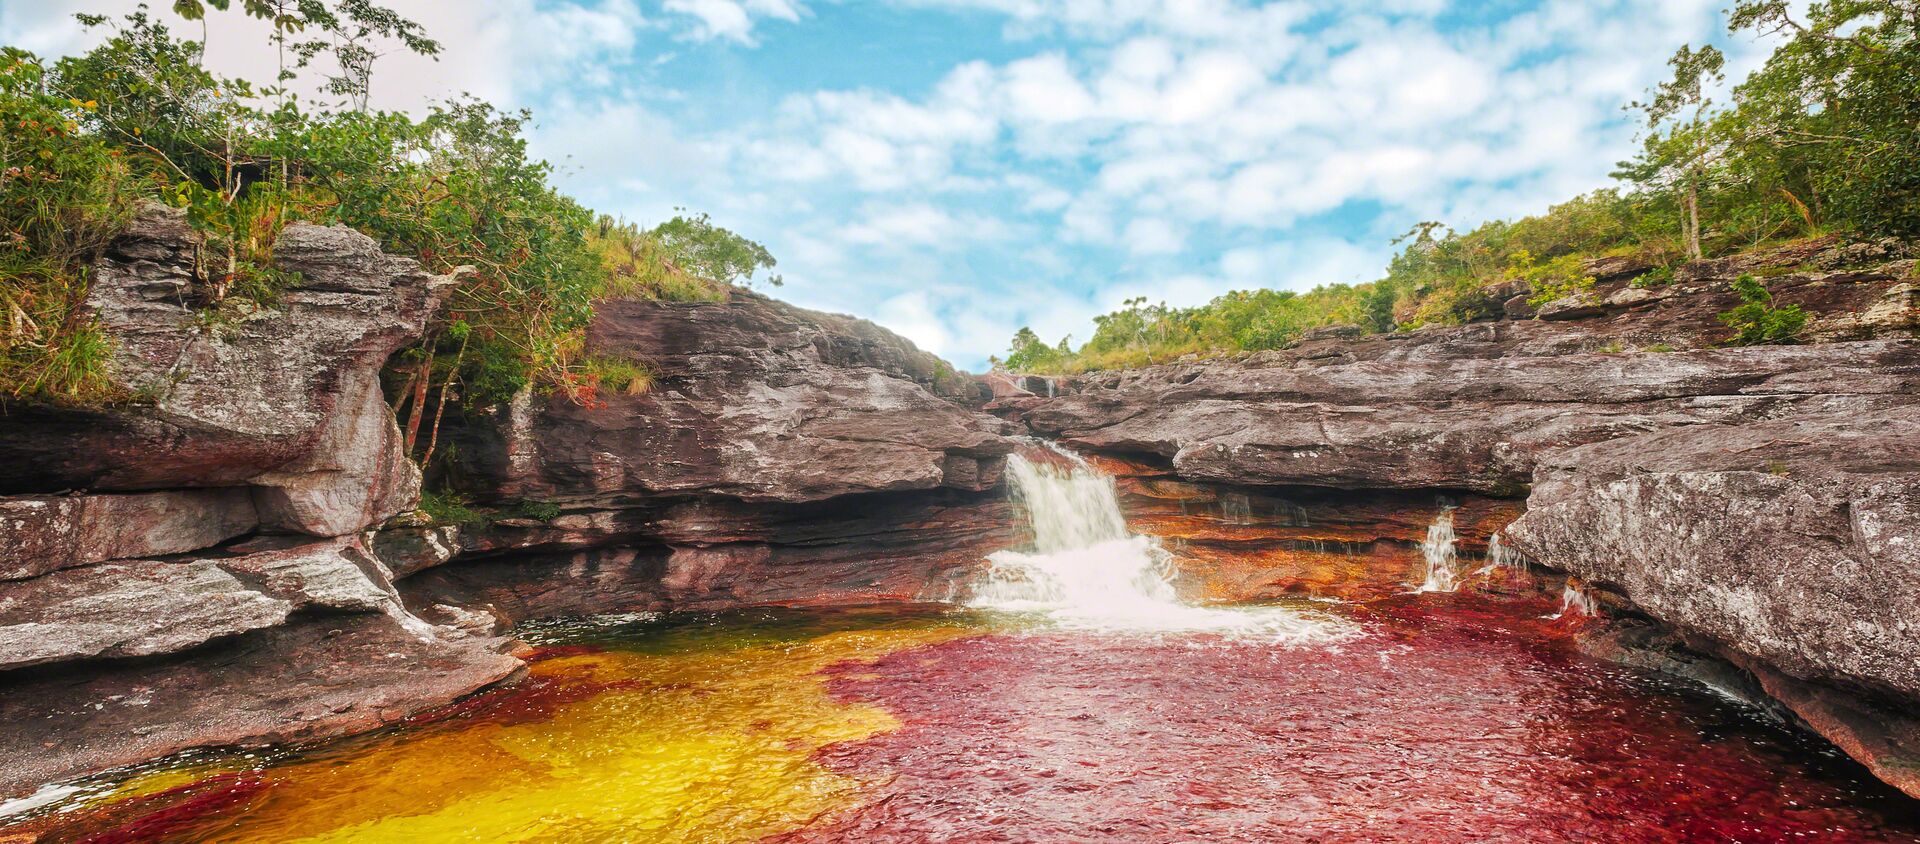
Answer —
732 20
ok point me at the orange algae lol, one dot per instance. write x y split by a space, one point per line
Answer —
707 735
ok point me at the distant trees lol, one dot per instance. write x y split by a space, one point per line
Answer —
1825 137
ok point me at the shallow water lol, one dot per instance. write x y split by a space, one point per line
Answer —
1454 717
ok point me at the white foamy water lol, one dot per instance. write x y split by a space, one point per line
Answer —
1575 603
1087 571
1443 561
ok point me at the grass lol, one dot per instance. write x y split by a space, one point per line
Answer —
449 508
621 375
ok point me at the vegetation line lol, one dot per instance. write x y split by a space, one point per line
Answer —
1823 139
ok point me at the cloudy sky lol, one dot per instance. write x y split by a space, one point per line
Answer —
955 169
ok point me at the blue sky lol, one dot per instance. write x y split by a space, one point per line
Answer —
955 169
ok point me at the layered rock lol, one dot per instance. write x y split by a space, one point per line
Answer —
1791 546
1254 543
1755 502
184 567
779 456
752 399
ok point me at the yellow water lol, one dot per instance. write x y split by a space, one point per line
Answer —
703 733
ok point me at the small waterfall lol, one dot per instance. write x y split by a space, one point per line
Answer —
1087 571
1500 558
1575 603
1443 561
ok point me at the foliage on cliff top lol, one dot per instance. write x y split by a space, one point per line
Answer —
1824 138
84 139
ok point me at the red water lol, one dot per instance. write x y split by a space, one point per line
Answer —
1455 719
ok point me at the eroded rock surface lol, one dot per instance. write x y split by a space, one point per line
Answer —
1760 502
752 399
779 455
283 400
187 567
1791 546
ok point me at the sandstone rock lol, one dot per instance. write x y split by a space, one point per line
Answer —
40 534
136 608
1616 268
1445 419
282 398
1572 306
313 678
718 553
337 574
1793 541
409 550
755 400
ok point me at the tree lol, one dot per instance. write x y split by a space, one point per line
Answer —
355 33
1755 320
694 244
1680 142
1838 106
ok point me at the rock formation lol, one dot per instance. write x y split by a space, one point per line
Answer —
779 455
230 554
1758 503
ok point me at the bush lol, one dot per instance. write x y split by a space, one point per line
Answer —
446 508
1550 281
1755 321
64 194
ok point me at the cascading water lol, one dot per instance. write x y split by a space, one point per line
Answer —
1502 558
1575 603
1087 571
1443 561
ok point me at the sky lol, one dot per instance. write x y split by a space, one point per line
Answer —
957 169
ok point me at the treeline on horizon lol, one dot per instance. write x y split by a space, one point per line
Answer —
1823 139
86 139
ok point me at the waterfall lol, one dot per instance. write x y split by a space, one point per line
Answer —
1500 558
1086 571
1576 603
1443 561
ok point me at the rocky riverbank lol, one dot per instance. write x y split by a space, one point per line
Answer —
1757 503
232 555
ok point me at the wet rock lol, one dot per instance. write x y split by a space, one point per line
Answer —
719 553
1789 545
42 533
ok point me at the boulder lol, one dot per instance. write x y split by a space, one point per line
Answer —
1794 541
1790 546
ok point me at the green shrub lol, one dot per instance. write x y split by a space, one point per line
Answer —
1656 277
540 511
1550 280
1755 321
64 194
447 508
